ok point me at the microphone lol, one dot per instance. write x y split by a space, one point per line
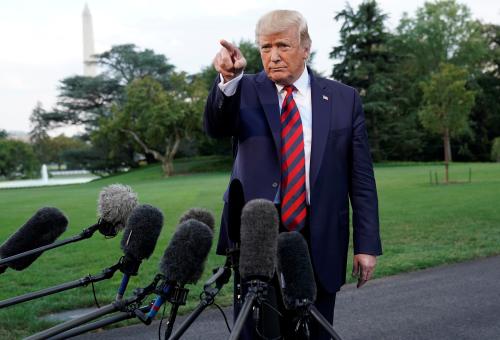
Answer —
195 213
191 242
184 259
298 286
139 240
259 234
114 206
199 214
41 229
295 270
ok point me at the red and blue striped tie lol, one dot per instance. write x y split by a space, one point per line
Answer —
293 179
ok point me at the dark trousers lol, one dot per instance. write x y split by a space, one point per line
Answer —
281 326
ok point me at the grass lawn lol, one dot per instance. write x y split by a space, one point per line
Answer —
422 226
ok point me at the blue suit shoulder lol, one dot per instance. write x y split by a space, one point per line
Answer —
335 85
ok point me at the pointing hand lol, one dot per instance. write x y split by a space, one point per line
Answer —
229 61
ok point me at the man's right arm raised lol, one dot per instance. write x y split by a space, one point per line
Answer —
220 118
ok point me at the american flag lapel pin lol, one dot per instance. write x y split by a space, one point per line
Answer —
325 97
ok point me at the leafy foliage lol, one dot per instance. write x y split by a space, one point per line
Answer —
156 120
17 160
446 106
447 102
366 62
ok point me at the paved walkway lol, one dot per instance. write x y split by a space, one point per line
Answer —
460 301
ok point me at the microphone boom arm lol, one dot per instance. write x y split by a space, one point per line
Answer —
85 234
82 282
121 305
118 317
220 278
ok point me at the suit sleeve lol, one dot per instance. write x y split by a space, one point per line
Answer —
362 190
220 118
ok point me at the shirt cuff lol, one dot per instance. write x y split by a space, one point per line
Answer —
229 88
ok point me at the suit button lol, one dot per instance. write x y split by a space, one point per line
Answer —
275 184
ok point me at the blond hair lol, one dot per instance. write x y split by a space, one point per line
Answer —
279 21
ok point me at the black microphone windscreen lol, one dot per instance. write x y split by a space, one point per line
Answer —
295 270
235 202
142 231
41 229
115 204
185 256
199 214
259 233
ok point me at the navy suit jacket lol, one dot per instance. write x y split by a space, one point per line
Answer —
340 165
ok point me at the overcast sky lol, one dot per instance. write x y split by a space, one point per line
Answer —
41 40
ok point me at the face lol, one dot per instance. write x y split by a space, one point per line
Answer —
282 56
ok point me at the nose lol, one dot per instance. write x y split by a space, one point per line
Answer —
275 55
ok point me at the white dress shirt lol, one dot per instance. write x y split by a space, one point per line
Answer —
302 97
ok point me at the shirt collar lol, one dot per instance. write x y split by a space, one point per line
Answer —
300 84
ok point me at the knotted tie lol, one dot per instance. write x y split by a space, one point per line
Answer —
293 179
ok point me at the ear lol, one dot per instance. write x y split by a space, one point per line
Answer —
307 51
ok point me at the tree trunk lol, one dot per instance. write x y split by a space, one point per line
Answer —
167 167
168 157
447 153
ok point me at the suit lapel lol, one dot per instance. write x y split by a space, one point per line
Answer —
321 99
268 98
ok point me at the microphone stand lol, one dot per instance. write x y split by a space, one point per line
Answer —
177 299
233 261
220 277
121 316
168 291
257 293
84 281
85 234
308 310
126 305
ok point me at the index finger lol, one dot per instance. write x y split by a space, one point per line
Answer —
361 282
228 46
234 52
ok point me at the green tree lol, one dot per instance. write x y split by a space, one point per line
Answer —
157 120
442 31
446 106
125 63
485 116
364 61
84 100
38 134
17 159
61 144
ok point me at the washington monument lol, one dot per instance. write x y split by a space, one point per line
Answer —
88 44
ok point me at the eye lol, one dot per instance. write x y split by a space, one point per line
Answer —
284 48
265 49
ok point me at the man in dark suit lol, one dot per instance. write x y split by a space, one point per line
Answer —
302 143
